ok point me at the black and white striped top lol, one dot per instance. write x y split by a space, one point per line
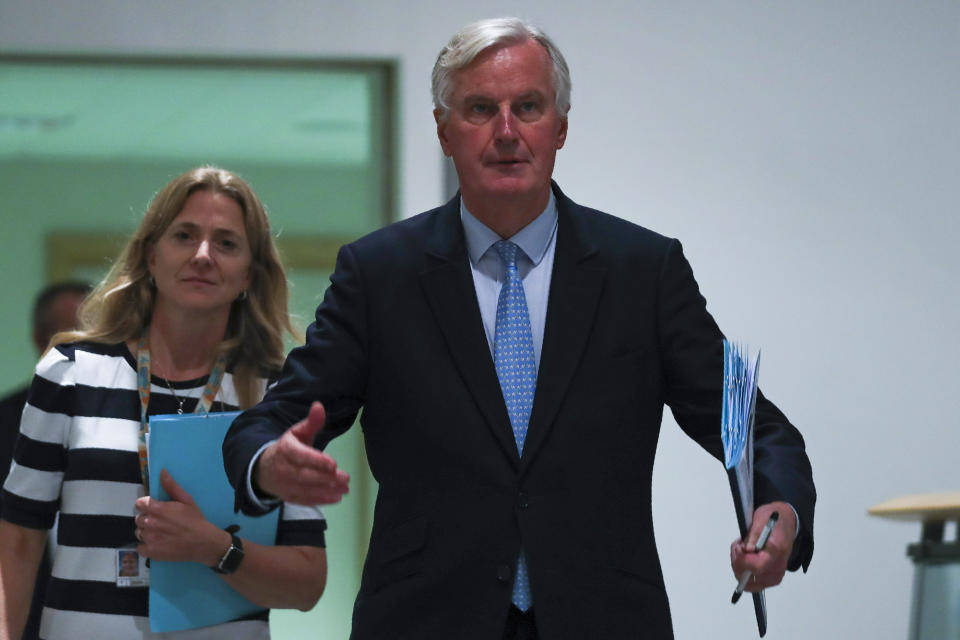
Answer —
77 456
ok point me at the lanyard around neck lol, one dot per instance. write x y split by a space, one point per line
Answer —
143 387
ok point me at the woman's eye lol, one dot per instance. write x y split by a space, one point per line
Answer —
231 243
181 235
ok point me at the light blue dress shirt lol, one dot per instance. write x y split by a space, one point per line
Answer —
538 242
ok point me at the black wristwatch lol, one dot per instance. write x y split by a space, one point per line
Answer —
232 557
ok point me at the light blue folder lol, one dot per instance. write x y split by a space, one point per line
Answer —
186 595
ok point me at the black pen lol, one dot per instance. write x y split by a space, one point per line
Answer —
761 541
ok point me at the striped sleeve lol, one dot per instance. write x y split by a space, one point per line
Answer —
301 526
31 493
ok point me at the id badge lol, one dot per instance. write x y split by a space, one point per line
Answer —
131 568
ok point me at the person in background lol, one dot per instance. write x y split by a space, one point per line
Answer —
54 310
189 318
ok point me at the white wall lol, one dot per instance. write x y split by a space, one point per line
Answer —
808 155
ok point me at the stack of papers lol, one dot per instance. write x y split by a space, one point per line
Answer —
739 403
736 431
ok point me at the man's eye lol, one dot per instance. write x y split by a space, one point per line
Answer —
528 107
479 108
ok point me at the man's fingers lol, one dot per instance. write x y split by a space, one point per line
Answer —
293 470
319 475
767 567
756 530
307 429
295 446
294 453
309 487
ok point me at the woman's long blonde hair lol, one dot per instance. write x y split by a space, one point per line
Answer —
121 306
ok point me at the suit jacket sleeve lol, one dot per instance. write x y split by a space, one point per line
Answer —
692 355
329 367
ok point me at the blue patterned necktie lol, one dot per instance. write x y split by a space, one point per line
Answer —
517 372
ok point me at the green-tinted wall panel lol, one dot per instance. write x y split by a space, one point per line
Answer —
316 144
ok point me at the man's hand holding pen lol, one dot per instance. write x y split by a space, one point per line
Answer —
768 565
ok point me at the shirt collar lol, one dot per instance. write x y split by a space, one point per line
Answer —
533 239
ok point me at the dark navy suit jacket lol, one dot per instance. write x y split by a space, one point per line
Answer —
399 336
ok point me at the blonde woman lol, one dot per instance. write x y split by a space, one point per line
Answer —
190 318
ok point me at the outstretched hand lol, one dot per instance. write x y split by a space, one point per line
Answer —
293 470
769 565
176 530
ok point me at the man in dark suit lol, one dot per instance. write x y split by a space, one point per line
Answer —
54 310
512 352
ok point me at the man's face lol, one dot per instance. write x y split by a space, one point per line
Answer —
503 130
62 317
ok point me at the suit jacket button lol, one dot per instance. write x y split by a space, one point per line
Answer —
504 573
523 501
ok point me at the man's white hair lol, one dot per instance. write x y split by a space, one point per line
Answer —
475 38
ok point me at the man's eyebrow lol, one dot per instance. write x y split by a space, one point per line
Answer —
482 97
533 93
477 97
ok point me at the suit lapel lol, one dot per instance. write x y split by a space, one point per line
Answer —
448 285
575 289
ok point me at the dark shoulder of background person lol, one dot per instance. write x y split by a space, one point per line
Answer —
11 406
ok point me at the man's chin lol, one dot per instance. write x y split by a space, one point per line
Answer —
509 187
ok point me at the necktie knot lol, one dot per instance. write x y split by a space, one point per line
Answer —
508 252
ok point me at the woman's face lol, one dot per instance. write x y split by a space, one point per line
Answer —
202 260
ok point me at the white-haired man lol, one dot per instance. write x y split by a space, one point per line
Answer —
512 353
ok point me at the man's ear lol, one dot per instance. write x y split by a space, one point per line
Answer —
562 134
442 117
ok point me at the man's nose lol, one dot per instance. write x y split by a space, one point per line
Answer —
506 125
